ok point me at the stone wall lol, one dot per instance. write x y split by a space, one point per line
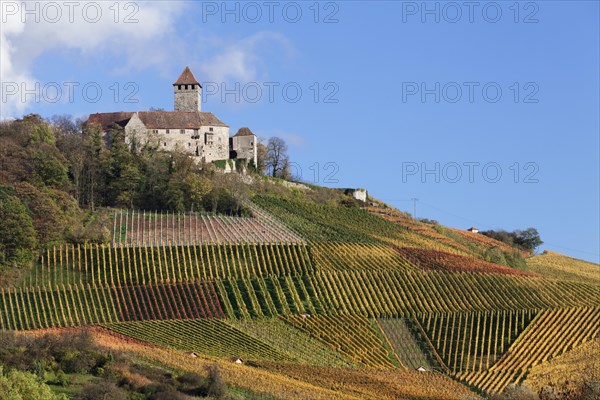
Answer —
218 149
212 145
245 147
188 99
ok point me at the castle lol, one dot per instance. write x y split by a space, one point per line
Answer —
200 134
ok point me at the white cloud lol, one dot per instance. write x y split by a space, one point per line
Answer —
132 44
241 60
153 41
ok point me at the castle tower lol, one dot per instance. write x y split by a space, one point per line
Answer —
188 92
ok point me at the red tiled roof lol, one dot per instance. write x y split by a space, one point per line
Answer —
179 119
159 119
244 132
107 119
186 78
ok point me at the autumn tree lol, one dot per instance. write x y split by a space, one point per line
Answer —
17 235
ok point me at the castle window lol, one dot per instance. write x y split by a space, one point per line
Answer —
186 87
168 130
165 144
210 129
179 87
192 86
182 131
189 144
154 130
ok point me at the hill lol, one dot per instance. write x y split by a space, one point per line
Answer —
314 294
559 266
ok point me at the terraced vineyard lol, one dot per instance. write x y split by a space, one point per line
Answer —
432 260
84 293
106 266
291 341
369 383
424 235
357 257
568 372
350 335
35 308
550 334
404 343
474 341
204 336
395 293
558 266
321 286
141 228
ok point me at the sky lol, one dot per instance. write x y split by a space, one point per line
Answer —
486 112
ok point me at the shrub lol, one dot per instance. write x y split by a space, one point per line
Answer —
215 386
102 390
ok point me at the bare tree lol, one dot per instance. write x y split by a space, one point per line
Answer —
277 157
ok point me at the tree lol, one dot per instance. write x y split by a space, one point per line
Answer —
196 187
64 125
261 157
91 171
238 190
277 157
529 239
17 235
17 385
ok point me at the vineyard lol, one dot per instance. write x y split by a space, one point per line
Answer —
300 381
404 342
371 383
558 266
569 371
551 333
141 228
469 342
432 260
357 257
106 266
204 336
291 341
89 285
315 287
354 337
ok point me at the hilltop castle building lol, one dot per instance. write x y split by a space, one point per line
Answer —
187 128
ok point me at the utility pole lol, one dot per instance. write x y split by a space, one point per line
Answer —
415 207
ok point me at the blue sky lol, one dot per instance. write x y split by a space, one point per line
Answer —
362 119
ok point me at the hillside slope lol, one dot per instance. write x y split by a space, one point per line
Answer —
306 275
559 266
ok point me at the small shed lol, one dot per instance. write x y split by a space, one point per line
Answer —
473 230
421 369
305 315
194 355
236 360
